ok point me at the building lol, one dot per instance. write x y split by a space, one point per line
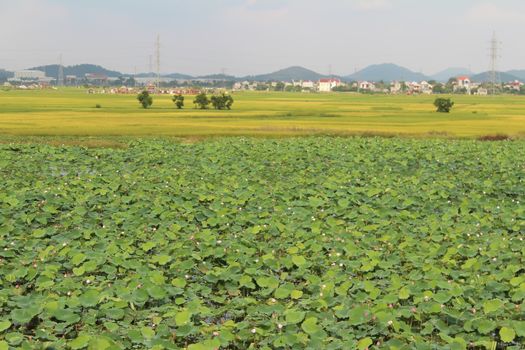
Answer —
326 85
464 82
95 78
426 88
30 76
366 85
482 92
308 84
396 87
514 85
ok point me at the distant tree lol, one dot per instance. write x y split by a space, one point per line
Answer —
130 82
444 105
280 86
222 101
179 101
218 102
201 101
229 101
145 99
439 88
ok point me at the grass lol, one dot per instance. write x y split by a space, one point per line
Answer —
73 112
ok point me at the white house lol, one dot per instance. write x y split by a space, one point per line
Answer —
308 84
463 82
365 85
395 87
482 92
515 85
426 88
326 85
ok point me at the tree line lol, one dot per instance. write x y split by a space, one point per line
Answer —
202 101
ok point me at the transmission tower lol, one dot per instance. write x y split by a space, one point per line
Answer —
157 51
495 48
60 78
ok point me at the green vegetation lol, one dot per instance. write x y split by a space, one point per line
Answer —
444 105
202 101
145 99
179 101
222 101
318 243
70 112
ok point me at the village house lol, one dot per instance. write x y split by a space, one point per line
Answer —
514 85
366 85
326 85
395 87
308 84
426 88
413 87
463 83
482 92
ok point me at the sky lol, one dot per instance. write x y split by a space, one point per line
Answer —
242 37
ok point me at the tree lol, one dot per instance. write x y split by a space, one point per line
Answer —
280 86
145 99
222 101
439 88
178 100
444 105
201 101
229 101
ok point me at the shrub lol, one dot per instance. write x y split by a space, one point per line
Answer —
201 101
145 99
222 101
179 101
98 106
496 137
444 105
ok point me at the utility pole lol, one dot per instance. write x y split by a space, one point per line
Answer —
495 47
60 78
157 47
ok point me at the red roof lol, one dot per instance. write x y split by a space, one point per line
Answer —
329 81
463 78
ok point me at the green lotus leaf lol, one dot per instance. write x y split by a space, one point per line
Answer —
310 326
507 334
294 317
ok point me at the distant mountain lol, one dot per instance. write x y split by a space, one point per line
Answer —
485 77
386 72
448 73
217 77
179 76
4 75
520 74
287 74
173 76
78 70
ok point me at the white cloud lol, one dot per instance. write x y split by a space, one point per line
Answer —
255 11
492 13
372 5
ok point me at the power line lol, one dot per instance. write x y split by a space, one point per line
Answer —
158 60
495 48
60 78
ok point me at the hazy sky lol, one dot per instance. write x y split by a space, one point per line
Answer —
259 36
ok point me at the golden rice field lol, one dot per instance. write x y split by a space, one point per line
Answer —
72 112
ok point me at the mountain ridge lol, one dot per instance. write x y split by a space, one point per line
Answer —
377 72
387 72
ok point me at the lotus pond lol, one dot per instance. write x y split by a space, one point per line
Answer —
317 243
